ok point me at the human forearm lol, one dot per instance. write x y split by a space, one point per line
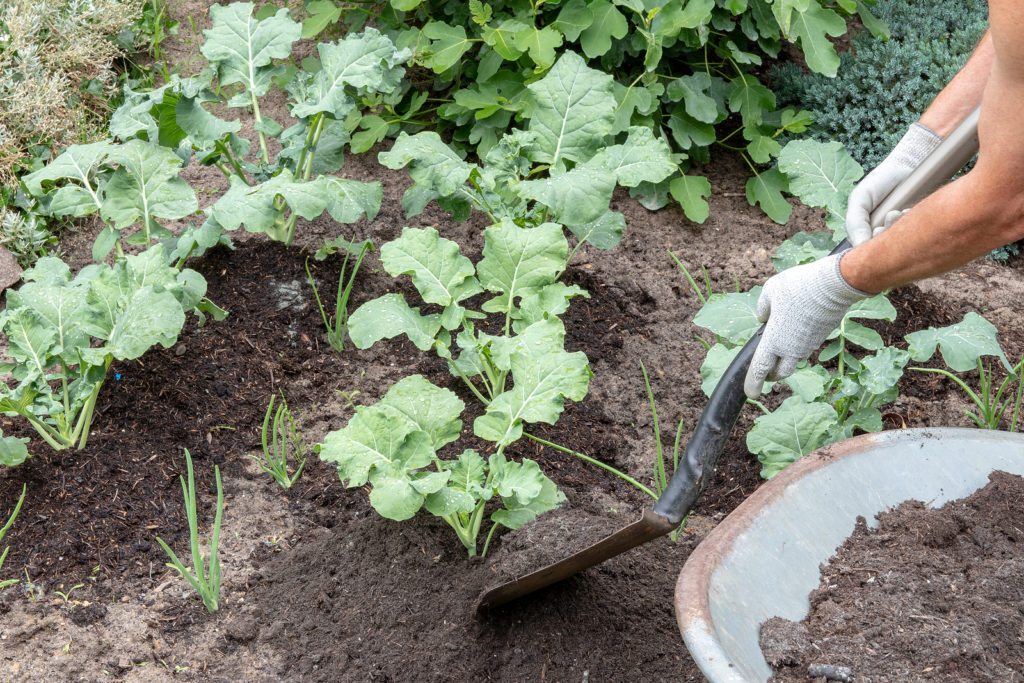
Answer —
948 229
963 94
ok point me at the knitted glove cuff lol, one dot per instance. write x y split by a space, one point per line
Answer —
844 289
918 142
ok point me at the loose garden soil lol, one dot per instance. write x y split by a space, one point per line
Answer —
931 594
317 586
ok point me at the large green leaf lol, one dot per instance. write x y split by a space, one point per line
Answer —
961 344
811 28
731 315
608 23
820 173
440 273
447 45
76 163
366 60
525 491
604 232
12 450
765 190
791 432
147 318
428 408
30 339
575 110
518 261
381 448
691 191
576 197
641 158
349 200
58 306
432 163
540 42
883 370
242 49
389 316
543 379
146 186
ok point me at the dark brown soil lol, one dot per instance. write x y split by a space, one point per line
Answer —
932 594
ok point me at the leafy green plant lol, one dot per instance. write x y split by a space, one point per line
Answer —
205 576
828 403
3 532
682 69
962 346
392 444
135 181
337 331
562 167
284 437
53 322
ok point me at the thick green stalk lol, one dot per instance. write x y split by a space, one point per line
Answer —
259 124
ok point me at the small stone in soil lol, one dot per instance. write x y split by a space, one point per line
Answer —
833 673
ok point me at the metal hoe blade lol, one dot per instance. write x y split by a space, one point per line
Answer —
650 526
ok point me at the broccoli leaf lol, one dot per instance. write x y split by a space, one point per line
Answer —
389 316
795 429
961 344
440 273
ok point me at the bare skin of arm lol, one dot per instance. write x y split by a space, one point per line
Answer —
982 210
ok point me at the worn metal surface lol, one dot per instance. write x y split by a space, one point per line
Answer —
762 560
647 528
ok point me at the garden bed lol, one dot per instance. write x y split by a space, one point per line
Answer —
931 594
317 586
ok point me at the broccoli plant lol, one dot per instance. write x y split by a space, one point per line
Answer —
53 323
393 445
562 167
133 179
519 270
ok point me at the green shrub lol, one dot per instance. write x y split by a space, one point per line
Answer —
884 86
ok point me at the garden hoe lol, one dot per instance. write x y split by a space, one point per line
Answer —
719 417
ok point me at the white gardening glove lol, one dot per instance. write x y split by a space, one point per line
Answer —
801 305
907 155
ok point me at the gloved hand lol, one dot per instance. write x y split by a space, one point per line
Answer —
918 142
801 305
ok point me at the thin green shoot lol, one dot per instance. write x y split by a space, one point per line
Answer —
337 327
661 475
702 293
622 475
206 575
67 596
284 436
3 532
991 406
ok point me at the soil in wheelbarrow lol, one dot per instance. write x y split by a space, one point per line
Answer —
931 594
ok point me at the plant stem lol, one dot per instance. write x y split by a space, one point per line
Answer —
259 124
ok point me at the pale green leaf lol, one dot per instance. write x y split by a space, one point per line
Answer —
732 315
961 344
575 109
518 261
604 232
440 273
820 173
367 61
77 163
432 163
540 42
694 91
389 316
641 158
802 248
428 408
576 197
795 429
883 370
242 49
543 379
448 44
